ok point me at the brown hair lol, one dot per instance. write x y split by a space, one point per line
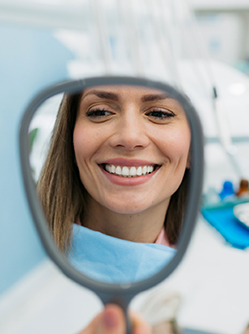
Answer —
61 192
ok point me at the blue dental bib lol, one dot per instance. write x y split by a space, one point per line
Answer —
113 260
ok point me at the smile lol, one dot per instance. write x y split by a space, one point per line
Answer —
129 171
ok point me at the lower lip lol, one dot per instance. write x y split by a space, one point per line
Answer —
128 181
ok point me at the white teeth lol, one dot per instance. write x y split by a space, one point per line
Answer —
125 171
150 169
139 171
108 168
113 169
133 171
118 170
145 170
129 171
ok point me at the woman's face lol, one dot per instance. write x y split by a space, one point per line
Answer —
131 146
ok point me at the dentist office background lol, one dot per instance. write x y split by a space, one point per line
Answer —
43 43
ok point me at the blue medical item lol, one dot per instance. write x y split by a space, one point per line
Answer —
222 218
227 190
114 260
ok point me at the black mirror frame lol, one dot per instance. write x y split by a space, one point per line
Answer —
118 293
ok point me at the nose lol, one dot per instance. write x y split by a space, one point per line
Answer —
130 133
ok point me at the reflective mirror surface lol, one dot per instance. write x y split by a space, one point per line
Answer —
111 166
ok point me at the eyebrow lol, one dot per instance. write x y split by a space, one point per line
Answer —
115 97
103 95
154 97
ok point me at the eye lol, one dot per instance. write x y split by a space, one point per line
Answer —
98 114
160 115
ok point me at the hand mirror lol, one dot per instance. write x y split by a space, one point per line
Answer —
112 168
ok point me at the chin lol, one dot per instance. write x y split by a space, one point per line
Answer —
128 209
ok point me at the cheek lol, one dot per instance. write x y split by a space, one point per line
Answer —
176 144
89 141
83 142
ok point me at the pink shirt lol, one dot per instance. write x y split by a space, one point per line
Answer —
162 239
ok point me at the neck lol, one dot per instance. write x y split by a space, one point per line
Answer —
138 227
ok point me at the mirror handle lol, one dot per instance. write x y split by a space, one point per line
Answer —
123 302
128 323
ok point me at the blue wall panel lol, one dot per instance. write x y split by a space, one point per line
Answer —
30 59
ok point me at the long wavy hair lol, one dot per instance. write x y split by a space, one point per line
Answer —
62 194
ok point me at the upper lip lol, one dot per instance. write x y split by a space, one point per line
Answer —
128 162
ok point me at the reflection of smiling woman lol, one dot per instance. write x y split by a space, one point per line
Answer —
117 164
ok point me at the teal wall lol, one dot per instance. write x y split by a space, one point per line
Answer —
30 59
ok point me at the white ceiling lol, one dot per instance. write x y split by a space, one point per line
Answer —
196 4
220 4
